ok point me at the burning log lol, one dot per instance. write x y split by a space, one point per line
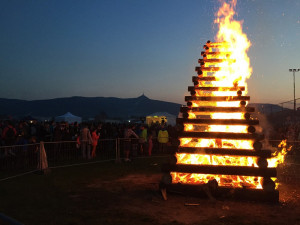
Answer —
220 121
189 104
209 188
201 78
217 109
243 103
227 193
251 129
206 78
222 135
225 151
217 98
216 54
203 61
257 145
217 44
268 184
222 170
166 178
247 116
207 69
262 162
191 88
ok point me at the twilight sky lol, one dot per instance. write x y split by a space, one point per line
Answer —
122 48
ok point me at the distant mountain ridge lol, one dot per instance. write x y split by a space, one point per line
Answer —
267 108
87 107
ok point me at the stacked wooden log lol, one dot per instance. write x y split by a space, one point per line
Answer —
206 74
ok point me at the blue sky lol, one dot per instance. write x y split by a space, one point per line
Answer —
122 48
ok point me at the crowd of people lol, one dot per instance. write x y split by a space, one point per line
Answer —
135 139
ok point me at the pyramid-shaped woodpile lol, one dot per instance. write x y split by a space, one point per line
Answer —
220 151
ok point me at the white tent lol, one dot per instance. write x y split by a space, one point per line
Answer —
161 116
68 117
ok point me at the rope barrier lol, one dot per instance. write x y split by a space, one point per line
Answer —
117 157
18 175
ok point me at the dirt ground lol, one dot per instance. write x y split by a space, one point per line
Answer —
139 194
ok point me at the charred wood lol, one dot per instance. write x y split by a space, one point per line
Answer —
202 61
217 109
225 151
221 170
258 195
222 135
217 98
219 121
192 88
201 78
207 69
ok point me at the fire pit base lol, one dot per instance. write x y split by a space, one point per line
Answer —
222 193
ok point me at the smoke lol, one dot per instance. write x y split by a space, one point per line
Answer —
265 127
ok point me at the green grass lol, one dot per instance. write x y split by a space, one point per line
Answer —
47 199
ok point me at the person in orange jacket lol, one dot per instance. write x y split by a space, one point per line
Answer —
95 138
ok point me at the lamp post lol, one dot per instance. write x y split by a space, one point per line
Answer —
294 71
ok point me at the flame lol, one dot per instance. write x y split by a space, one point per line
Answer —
230 31
279 156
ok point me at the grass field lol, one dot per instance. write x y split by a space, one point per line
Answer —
127 193
49 199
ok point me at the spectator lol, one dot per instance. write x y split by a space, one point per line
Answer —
85 142
9 135
150 144
163 139
95 137
128 134
143 139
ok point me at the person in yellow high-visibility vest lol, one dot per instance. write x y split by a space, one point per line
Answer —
163 139
143 139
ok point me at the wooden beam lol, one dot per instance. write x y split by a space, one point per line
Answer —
203 78
221 135
216 60
207 69
217 109
221 170
226 151
217 121
217 98
192 88
216 54
225 193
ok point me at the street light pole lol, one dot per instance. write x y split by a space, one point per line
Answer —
294 71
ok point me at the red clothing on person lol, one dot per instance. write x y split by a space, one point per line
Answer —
95 138
6 129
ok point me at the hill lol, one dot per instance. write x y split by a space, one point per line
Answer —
266 108
87 107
